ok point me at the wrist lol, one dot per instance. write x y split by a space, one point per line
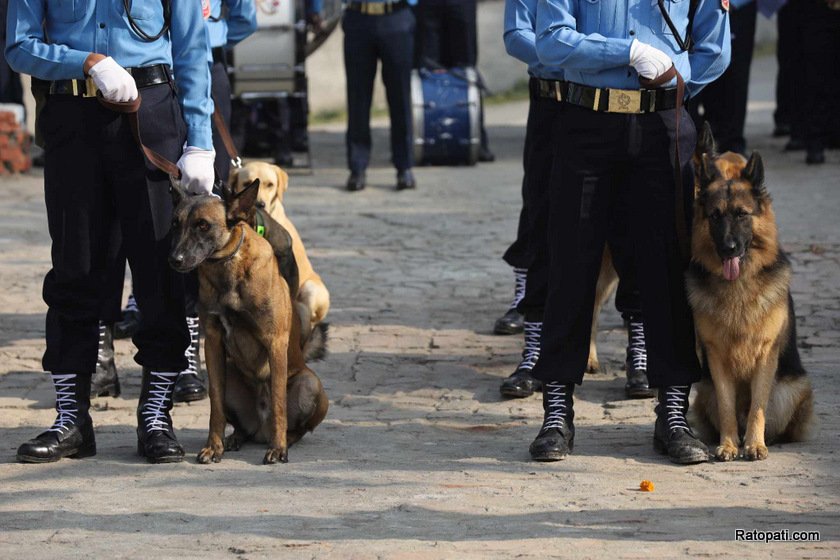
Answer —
92 60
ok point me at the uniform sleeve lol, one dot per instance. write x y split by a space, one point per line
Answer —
520 38
314 6
190 44
712 45
28 53
241 20
560 44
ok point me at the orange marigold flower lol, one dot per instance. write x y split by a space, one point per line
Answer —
646 486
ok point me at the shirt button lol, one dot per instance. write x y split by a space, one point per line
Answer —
632 32
101 26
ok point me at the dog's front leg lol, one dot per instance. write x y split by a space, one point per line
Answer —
278 362
725 391
760 388
214 358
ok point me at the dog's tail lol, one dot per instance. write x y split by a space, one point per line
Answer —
315 345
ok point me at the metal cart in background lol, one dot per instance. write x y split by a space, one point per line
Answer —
269 83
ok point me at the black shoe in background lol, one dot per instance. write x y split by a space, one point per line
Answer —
356 181
520 384
105 382
781 129
815 156
405 180
795 145
512 322
128 326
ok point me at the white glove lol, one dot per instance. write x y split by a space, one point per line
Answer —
115 83
648 61
197 174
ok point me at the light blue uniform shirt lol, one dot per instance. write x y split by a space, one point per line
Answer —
239 22
77 28
590 39
410 2
520 38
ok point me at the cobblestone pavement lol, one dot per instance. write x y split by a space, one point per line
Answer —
419 457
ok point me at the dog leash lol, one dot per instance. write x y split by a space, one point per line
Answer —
681 224
226 258
227 140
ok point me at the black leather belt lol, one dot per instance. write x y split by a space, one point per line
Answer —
605 100
377 8
144 77
550 89
219 55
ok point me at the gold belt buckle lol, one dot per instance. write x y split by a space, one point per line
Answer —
625 101
90 88
375 8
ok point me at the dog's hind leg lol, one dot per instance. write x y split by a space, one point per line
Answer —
307 404
790 412
607 281
703 415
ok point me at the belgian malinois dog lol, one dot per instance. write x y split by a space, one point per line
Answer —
258 380
739 289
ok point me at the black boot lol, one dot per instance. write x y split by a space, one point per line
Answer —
71 435
512 322
155 435
130 320
635 364
188 386
672 436
105 381
556 439
520 383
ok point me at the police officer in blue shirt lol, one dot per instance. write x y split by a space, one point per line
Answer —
230 21
95 175
615 155
529 253
379 30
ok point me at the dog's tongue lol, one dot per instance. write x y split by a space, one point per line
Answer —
732 268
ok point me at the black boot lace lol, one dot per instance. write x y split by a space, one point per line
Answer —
520 277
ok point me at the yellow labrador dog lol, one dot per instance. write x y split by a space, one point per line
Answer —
312 292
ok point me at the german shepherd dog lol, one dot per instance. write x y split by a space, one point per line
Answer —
739 289
259 381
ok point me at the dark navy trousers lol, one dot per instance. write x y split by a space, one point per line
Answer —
611 167
96 182
369 39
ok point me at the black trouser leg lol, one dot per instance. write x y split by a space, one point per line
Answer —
786 47
725 100
360 60
614 163
220 87
396 49
821 58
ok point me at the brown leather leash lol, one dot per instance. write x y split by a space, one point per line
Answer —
130 109
227 140
682 226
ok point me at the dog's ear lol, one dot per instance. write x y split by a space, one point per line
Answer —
177 192
708 171
282 179
706 141
241 206
753 173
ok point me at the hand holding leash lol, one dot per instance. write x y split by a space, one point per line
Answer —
648 61
197 174
115 83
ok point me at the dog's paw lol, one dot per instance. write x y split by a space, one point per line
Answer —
276 456
210 454
757 452
726 453
234 442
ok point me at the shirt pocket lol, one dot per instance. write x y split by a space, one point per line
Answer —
147 9
66 11
678 12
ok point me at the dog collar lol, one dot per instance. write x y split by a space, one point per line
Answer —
260 224
233 253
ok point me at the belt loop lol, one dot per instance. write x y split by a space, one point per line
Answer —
597 103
